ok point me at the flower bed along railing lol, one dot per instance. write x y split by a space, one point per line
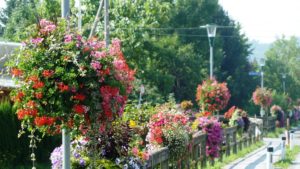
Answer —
196 155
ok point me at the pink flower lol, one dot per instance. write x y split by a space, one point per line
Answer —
44 23
37 40
115 48
79 37
119 64
96 65
98 54
68 38
50 28
135 151
145 156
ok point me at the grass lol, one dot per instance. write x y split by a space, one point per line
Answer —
233 157
289 158
276 133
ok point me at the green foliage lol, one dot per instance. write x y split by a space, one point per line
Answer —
276 133
281 99
166 60
289 158
14 151
8 135
282 59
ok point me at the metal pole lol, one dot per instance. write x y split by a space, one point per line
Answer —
65 8
97 18
106 22
262 79
142 91
211 62
66 148
283 85
79 16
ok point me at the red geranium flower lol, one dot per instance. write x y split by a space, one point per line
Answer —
16 72
48 73
38 85
42 121
31 104
62 87
78 108
33 78
19 96
79 96
39 95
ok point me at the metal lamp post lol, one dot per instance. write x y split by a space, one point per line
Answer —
283 81
211 33
262 63
142 91
65 8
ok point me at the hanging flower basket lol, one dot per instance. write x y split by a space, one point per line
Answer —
68 81
262 97
212 96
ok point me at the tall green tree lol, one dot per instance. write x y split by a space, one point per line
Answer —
163 41
283 58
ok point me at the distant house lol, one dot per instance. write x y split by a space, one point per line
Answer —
6 83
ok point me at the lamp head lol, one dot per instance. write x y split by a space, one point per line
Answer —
211 30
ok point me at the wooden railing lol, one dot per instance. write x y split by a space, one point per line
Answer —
269 124
196 157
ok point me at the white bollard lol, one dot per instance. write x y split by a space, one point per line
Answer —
269 159
287 136
283 148
292 139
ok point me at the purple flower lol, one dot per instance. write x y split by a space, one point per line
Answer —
82 162
56 158
214 135
76 155
37 40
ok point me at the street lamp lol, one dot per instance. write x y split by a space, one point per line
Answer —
283 81
211 33
142 91
262 63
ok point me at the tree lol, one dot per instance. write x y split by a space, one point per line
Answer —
282 59
164 44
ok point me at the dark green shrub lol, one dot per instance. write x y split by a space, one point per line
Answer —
15 151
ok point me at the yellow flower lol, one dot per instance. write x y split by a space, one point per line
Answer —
132 123
195 125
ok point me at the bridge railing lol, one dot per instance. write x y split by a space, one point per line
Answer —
195 156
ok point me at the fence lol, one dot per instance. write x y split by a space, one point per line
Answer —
196 157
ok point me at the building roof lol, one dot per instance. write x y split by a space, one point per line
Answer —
6 48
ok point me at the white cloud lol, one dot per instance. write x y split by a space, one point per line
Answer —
264 20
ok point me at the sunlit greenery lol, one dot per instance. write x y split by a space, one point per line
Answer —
289 158
232 157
